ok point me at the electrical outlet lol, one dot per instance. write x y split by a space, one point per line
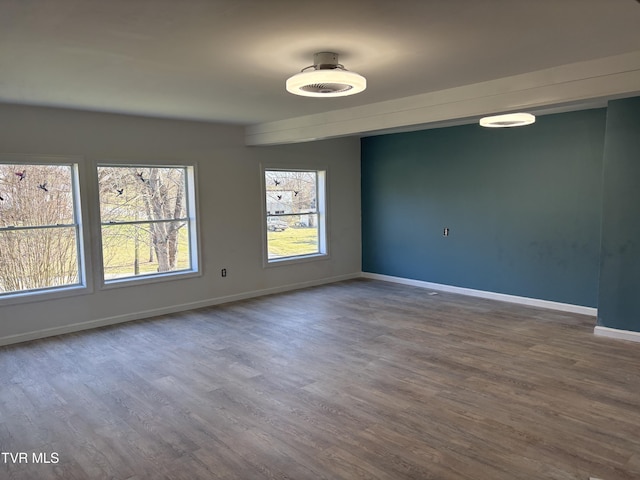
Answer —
223 272
445 232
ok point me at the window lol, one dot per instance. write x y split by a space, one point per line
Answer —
40 230
295 214
147 216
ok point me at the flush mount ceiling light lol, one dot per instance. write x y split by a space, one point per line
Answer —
508 120
326 78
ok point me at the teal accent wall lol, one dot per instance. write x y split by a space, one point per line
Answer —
523 206
619 299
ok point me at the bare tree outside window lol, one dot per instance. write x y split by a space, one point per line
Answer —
145 220
38 227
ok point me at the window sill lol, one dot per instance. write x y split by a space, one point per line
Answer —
149 279
279 262
43 295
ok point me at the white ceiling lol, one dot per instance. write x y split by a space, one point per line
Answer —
227 60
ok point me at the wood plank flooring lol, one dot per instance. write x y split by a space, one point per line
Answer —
354 380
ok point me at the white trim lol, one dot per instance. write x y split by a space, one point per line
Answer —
192 219
102 322
283 261
81 224
43 294
321 213
618 334
146 279
502 297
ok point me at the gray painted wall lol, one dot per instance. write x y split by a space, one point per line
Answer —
229 210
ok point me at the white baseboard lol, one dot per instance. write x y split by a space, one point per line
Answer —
533 302
76 327
103 322
618 334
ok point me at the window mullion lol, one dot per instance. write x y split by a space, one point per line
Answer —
145 222
12 228
313 212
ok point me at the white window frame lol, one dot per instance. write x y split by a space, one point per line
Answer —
80 220
321 212
193 226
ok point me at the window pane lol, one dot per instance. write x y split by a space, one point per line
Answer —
146 220
38 258
292 235
142 193
294 213
35 195
290 191
145 248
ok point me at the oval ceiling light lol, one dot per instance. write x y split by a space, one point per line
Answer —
508 120
327 79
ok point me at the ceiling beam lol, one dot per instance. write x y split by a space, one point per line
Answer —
573 86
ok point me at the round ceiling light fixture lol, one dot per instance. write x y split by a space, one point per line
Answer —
327 79
508 120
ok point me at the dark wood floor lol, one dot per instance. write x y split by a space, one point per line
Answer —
356 380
